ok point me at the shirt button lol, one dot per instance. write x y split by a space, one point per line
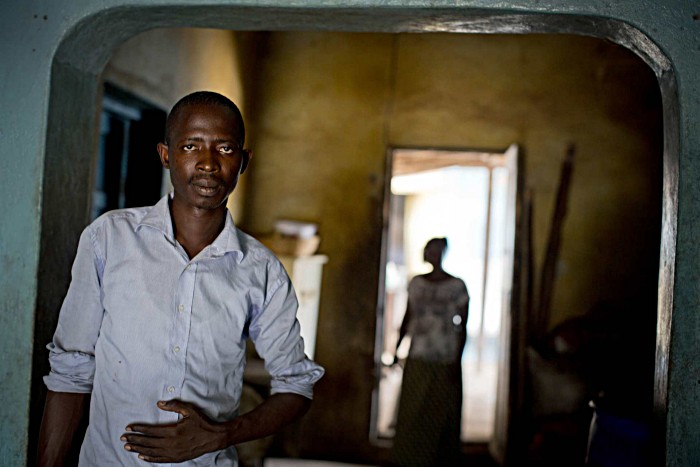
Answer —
181 308
171 389
176 349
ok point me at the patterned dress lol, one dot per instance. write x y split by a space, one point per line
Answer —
430 407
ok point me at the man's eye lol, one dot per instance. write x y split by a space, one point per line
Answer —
227 149
188 147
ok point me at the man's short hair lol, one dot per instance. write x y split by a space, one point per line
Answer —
202 98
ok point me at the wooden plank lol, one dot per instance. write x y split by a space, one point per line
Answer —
547 279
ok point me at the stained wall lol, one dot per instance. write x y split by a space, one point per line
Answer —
327 107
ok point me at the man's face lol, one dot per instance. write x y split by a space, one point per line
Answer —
204 156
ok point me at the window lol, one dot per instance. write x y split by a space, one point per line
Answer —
128 172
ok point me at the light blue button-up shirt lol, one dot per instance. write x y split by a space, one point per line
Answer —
142 322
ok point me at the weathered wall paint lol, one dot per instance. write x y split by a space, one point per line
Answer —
163 65
329 104
319 144
58 50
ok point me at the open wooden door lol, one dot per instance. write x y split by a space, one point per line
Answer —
514 314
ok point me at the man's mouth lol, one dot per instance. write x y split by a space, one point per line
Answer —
206 186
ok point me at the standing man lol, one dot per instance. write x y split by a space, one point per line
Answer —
151 335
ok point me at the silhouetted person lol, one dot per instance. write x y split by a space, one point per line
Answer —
430 407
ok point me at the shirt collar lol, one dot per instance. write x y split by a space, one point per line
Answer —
228 240
158 217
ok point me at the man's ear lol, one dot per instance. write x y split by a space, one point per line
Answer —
163 153
247 155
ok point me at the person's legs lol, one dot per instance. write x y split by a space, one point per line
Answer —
450 444
429 420
417 432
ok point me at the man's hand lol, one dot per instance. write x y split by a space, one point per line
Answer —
194 435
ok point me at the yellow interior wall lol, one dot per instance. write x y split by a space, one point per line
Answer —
163 65
319 156
543 92
328 105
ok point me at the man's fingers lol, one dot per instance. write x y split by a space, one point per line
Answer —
133 440
154 431
154 453
148 453
183 408
186 439
152 447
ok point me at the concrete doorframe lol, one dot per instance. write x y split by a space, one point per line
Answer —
86 46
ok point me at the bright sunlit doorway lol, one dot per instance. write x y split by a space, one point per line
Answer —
465 196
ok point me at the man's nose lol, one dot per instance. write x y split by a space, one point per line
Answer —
209 160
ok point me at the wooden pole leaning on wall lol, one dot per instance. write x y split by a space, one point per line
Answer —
528 267
549 266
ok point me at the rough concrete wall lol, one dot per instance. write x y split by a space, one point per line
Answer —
327 107
162 65
319 147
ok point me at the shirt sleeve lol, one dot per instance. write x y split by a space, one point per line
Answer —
72 350
275 332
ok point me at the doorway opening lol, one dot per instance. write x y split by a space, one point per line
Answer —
462 196
63 81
